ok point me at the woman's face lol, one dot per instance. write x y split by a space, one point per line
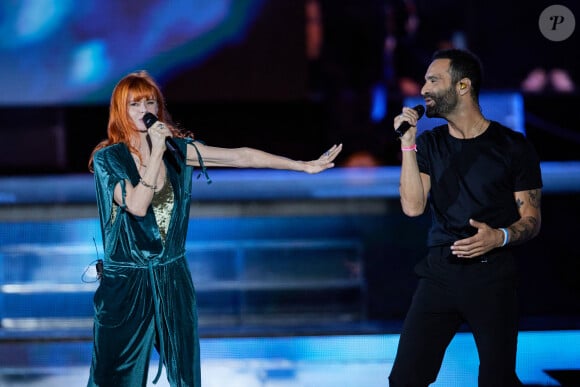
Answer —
137 110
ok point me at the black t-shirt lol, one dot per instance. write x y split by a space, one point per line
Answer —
475 178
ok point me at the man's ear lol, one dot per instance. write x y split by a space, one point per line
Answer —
464 85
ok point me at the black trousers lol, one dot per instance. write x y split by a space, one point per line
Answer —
450 292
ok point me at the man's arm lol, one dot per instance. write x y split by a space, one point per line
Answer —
528 226
522 230
414 186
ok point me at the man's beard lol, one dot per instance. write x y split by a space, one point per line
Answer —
443 104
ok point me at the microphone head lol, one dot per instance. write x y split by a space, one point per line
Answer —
149 119
420 109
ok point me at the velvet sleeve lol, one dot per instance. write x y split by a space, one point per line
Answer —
109 170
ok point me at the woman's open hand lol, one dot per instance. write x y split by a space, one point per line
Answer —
324 162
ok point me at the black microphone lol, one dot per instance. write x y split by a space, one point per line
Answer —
405 125
149 119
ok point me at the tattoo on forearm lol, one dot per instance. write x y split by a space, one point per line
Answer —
534 198
523 230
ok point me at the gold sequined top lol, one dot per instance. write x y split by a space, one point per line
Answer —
163 206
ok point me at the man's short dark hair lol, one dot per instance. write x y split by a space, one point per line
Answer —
463 64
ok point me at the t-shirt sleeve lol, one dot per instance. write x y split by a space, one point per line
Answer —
527 173
422 154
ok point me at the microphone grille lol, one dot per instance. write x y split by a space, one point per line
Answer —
149 119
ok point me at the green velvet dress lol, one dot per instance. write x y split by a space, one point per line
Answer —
146 296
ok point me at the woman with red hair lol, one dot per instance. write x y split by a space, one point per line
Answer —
146 295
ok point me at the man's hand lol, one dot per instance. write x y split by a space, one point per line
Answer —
484 240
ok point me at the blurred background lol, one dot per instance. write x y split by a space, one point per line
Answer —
272 253
293 76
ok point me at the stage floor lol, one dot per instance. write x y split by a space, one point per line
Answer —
301 361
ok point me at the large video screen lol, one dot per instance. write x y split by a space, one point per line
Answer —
73 52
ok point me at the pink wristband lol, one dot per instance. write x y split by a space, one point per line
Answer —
409 148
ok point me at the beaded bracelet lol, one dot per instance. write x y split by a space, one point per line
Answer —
409 148
145 184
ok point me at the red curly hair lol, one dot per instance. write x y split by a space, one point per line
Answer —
133 87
